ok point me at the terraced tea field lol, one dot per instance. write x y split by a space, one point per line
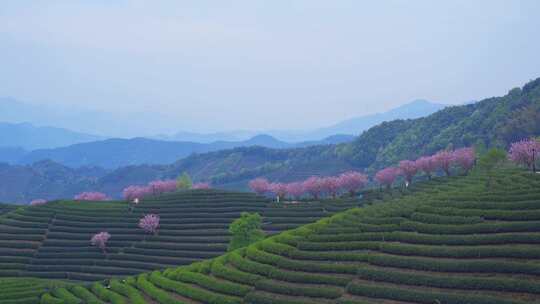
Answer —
450 242
53 240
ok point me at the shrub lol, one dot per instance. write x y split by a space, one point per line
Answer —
191 292
86 295
213 284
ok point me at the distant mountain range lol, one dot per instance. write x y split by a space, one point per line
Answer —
113 153
24 143
30 137
354 126
86 123
491 122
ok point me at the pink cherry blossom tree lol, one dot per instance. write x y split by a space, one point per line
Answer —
279 190
149 223
201 186
295 189
260 185
427 164
444 160
136 192
408 169
313 186
525 152
330 185
91 196
465 158
352 181
162 186
387 176
100 240
38 202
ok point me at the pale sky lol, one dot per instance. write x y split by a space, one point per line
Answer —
223 65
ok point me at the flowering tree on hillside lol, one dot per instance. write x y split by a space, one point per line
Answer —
525 152
279 190
136 192
427 164
295 189
259 185
330 185
201 186
465 158
38 202
91 196
387 176
149 223
352 181
100 240
408 169
444 160
162 186
313 186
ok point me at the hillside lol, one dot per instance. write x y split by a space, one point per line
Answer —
355 126
495 121
450 241
114 153
53 240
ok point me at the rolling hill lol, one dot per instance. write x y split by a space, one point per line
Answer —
449 240
53 240
117 152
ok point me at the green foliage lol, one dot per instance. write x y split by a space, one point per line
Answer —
245 230
492 159
183 182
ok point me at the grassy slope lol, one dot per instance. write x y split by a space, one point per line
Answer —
52 241
451 242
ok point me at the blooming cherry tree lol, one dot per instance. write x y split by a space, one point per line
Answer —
427 164
352 181
38 202
313 186
464 158
444 160
408 169
201 186
136 192
149 223
91 196
162 186
525 152
387 176
295 189
100 240
279 190
330 185
259 185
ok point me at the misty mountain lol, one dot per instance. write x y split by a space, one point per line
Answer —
113 153
30 137
79 119
354 126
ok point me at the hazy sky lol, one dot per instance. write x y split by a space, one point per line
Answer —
221 65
